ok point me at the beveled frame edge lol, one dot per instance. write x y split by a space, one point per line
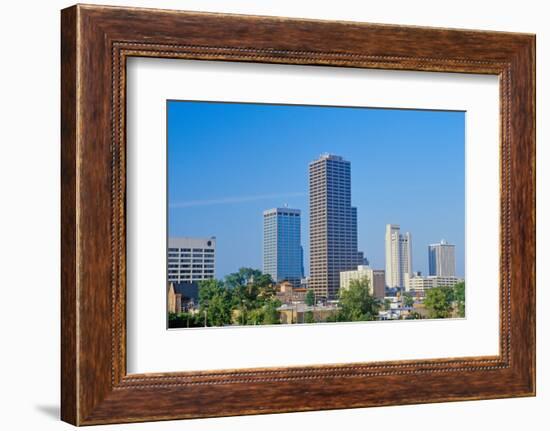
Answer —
96 41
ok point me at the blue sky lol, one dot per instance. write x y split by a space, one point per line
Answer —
228 162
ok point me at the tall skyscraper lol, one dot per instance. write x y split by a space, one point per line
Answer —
441 259
191 259
398 256
283 255
333 225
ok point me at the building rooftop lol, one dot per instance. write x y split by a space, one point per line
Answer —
184 241
442 242
282 210
328 156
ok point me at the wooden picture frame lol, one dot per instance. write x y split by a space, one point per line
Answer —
95 43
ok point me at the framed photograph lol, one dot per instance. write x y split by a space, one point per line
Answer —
322 214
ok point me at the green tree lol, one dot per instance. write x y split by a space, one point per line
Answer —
215 302
449 293
246 297
310 297
266 290
437 303
209 288
408 300
263 281
460 298
183 320
219 310
247 284
251 292
271 315
255 316
414 315
357 303
247 276
265 314
308 317
333 318
387 304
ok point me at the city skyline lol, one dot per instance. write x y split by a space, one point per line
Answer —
216 210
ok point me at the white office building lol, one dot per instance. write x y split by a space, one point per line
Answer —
419 283
191 259
441 259
398 256
376 278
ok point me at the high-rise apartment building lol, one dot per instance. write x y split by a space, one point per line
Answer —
283 255
191 259
398 256
333 225
441 259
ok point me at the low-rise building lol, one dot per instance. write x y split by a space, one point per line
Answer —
376 278
419 283
297 313
173 300
288 294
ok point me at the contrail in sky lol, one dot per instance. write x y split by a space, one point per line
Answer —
234 200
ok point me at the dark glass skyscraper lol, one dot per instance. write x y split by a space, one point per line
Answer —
333 225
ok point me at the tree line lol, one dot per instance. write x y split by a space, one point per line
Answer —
248 297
